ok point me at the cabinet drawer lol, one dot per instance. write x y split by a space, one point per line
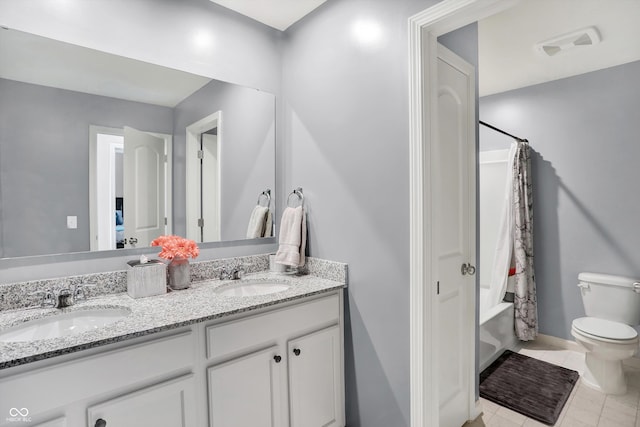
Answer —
60 384
262 329
168 404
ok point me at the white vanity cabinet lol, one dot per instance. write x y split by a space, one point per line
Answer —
280 368
120 385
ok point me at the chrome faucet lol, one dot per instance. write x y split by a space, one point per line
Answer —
80 291
64 297
47 298
232 273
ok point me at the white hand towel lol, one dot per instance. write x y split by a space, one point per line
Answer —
268 225
293 237
257 222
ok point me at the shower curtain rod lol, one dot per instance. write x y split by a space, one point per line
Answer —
501 131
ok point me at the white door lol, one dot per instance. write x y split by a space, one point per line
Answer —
315 379
246 391
453 163
168 404
144 187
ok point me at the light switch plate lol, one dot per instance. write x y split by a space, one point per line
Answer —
72 222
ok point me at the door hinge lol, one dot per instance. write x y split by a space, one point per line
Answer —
166 221
166 158
201 222
438 288
200 154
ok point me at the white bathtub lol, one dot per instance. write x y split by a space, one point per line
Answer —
496 330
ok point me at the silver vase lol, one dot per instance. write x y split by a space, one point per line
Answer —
179 273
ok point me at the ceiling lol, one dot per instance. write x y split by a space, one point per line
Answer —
279 14
507 56
38 60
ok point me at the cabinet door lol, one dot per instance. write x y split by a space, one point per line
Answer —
168 404
315 379
246 391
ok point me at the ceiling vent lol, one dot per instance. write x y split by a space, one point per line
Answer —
560 44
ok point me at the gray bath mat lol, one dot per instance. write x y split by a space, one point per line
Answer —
529 386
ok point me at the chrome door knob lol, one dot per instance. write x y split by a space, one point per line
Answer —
467 268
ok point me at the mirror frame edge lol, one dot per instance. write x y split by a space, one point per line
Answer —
29 261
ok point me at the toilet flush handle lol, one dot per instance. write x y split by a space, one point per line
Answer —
583 285
636 287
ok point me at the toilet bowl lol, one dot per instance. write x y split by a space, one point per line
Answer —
606 344
612 307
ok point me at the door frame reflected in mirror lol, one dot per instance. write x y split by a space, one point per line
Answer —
203 213
102 188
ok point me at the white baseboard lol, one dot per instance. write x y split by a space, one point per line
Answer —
558 342
633 362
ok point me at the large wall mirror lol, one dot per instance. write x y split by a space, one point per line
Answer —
100 152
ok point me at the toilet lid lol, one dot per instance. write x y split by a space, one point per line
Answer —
605 328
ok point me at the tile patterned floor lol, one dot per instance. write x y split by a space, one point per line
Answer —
585 407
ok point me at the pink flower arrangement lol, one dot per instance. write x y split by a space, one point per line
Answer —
176 247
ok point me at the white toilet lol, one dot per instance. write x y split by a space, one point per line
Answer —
612 304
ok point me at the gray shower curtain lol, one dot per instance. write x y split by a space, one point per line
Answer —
526 310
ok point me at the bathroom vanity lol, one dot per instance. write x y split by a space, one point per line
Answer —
188 358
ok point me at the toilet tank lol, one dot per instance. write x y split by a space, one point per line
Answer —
611 297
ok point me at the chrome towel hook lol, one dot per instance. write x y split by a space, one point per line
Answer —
296 192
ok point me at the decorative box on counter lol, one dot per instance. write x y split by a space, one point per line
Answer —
145 279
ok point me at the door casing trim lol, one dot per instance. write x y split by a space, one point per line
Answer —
424 28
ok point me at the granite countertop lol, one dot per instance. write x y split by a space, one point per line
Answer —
153 314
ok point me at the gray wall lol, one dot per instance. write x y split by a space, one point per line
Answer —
584 135
161 32
247 151
347 144
44 162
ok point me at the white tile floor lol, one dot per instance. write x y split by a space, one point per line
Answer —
585 407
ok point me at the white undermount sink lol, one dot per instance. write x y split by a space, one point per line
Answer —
251 288
61 325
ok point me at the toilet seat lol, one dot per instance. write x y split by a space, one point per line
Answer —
605 330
